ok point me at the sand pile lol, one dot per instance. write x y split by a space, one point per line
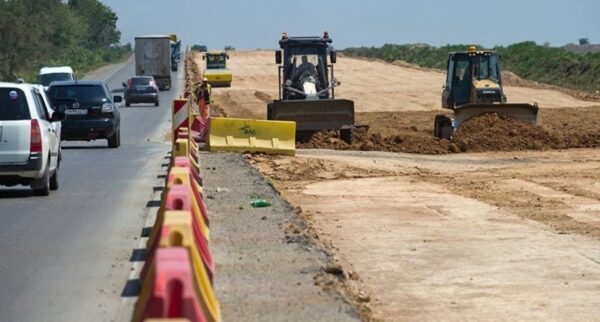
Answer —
493 132
489 132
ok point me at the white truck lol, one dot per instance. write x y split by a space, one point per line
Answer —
153 58
30 131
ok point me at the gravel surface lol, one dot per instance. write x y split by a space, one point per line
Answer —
268 267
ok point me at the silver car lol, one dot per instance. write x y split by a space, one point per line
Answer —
30 150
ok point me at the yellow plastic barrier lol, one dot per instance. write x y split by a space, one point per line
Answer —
181 148
182 175
245 135
179 225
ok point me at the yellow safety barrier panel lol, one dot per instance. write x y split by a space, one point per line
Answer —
181 148
245 135
179 225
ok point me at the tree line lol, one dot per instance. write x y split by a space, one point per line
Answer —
37 33
555 66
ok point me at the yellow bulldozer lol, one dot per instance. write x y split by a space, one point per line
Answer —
216 69
474 87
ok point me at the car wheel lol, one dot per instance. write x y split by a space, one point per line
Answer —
115 140
128 103
156 102
41 187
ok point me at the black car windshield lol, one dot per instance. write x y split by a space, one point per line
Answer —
46 79
13 105
78 93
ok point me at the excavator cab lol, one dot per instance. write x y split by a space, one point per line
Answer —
307 87
474 87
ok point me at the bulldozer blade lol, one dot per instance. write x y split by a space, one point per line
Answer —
523 112
314 115
246 135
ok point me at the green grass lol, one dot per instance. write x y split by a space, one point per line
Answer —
554 66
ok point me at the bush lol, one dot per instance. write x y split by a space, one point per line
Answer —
37 33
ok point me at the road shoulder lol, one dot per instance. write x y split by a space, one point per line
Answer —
268 266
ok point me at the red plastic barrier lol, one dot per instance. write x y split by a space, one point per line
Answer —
170 293
184 162
177 198
199 129
201 246
197 193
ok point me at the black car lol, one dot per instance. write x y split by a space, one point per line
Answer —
141 89
90 109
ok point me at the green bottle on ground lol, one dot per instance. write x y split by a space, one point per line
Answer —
260 203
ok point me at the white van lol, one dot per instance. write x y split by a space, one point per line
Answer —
30 150
52 74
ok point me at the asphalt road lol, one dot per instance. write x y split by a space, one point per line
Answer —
66 257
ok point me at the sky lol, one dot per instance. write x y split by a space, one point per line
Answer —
353 23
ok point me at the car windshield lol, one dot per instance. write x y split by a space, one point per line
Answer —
46 79
215 61
78 93
13 105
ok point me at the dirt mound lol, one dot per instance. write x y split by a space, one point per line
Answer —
284 168
365 141
493 132
411 132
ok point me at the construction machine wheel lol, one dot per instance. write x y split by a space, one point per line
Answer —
346 135
442 127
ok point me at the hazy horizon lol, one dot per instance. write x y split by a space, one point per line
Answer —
259 24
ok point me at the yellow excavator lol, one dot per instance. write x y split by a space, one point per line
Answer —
474 87
216 69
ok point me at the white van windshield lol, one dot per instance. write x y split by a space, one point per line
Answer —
46 79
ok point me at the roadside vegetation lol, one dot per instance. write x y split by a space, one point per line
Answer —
37 33
544 64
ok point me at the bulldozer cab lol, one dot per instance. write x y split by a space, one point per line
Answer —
307 87
474 87
302 62
303 65
472 77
